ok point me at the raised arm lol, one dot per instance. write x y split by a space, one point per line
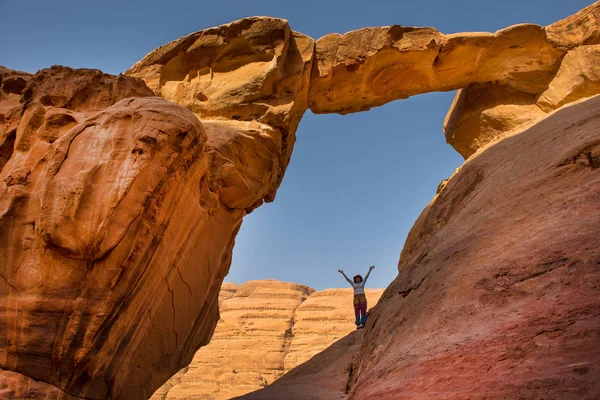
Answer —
348 279
368 273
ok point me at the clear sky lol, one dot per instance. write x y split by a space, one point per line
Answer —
356 183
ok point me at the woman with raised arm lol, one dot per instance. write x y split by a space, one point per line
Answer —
360 300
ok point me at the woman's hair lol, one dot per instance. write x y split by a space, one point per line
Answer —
359 277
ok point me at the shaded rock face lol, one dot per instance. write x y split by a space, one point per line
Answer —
266 329
498 292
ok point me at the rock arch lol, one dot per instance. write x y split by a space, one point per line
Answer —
105 293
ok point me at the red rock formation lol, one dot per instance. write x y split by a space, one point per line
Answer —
498 292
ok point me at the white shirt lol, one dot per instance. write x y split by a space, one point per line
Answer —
359 288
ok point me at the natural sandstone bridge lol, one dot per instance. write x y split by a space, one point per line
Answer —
105 292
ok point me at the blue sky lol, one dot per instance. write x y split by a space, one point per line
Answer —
356 183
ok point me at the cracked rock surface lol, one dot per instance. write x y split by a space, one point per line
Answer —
106 289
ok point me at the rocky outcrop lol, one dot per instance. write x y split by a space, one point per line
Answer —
266 329
249 78
498 292
105 293
577 77
582 28
484 112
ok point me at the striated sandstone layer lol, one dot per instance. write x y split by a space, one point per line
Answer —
498 292
325 317
266 329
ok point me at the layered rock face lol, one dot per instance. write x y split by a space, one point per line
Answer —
266 329
120 202
498 292
107 288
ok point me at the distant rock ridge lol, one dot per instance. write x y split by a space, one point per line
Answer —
266 329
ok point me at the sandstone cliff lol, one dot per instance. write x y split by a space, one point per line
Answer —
120 201
266 329
96 174
498 292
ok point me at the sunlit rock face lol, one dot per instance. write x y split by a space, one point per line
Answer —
498 291
372 66
97 177
249 80
486 111
266 329
117 219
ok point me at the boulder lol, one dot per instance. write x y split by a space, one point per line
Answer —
578 77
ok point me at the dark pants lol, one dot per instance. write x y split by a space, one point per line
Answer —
360 308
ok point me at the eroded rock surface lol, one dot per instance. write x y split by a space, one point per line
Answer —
266 329
482 113
498 292
373 66
107 288
258 69
255 70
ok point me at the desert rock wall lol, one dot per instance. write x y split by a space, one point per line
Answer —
498 291
266 329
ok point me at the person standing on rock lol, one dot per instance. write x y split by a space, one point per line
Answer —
360 300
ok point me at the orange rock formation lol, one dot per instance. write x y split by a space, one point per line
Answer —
119 208
266 329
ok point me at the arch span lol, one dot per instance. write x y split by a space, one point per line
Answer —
105 293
